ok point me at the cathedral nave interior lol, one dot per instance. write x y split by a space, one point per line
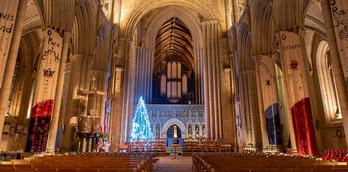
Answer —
138 81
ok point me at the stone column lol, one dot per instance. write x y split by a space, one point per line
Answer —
84 145
234 88
212 75
116 106
199 75
268 102
11 62
52 135
126 56
249 108
294 66
261 96
89 144
284 100
73 102
144 71
336 64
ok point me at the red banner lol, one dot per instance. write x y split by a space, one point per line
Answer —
303 125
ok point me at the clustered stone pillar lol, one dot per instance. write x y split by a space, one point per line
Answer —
336 62
294 66
81 75
126 58
144 70
211 61
116 108
284 99
11 62
52 135
268 102
249 108
73 102
199 74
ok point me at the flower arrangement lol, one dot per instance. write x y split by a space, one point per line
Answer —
103 135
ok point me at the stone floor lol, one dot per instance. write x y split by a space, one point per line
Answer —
179 164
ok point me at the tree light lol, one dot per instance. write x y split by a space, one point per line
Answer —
141 129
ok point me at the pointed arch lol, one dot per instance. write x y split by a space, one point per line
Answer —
171 122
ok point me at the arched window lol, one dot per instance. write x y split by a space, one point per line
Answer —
327 83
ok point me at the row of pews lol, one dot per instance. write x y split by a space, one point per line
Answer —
96 162
190 145
260 162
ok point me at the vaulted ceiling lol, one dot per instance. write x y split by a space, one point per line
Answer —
174 41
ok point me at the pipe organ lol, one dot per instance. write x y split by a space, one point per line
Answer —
174 84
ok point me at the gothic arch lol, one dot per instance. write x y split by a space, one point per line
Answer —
33 19
129 22
262 27
326 82
288 14
166 14
244 59
83 33
171 122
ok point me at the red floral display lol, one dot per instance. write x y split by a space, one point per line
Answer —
42 109
39 126
335 155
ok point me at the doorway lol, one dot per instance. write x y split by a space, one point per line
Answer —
174 136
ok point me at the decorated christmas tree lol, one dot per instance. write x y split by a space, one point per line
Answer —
141 129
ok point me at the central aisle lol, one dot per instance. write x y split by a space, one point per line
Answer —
180 164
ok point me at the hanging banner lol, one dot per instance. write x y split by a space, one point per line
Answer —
293 65
339 11
239 123
268 87
8 15
45 91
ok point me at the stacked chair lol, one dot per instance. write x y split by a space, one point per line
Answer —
206 145
157 146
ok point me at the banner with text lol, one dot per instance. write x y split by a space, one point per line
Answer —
8 15
294 69
45 91
339 11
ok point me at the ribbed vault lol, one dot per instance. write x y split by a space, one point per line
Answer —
174 41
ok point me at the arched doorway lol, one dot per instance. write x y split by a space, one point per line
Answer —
174 136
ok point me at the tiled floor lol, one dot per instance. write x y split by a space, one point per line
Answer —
180 164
